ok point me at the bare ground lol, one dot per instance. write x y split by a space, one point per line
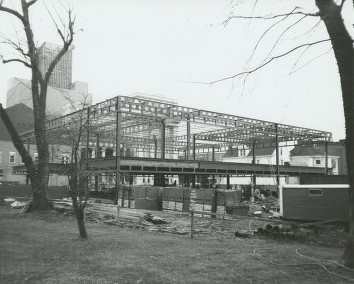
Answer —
44 248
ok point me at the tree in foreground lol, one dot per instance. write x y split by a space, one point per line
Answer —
329 13
28 54
67 144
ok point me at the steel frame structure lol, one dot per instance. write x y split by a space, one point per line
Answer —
144 129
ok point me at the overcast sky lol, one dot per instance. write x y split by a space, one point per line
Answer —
165 47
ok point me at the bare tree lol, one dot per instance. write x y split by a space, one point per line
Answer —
328 12
28 55
68 141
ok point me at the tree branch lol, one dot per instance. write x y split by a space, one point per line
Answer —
16 60
30 3
281 35
263 35
67 41
272 17
13 12
266 63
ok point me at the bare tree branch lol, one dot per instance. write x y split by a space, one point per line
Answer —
31 3
265 63
67 41
272 17
263 35
15 60
307 63
281 35
13 12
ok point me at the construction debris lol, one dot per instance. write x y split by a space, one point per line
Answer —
284 232
244 234
17 205
257 213
154 219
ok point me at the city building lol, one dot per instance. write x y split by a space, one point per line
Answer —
59 101
262 155
315 156
22 118
63 96
62 74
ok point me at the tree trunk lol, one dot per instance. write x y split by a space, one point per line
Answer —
344 52
40 200
80 216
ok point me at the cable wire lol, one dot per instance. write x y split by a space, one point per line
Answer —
255 251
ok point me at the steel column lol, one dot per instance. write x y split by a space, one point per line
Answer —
118 140
326 158
188 137
163 139
277 153
254 178
194 147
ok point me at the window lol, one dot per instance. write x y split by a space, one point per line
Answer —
35 157
12 157
318 162
315 192
334 163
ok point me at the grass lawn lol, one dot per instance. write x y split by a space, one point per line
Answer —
44 248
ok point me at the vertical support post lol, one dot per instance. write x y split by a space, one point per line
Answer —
213 153
118 140
123 197
98 152
227 181
326 158
193 147
188 138
192 224
155 147
214 204
254 177
163 139
193 180
129 196
96 182
277 153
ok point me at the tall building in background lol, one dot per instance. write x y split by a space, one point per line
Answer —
63 96
62 73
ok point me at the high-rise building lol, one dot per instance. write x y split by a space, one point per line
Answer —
62 73
63 96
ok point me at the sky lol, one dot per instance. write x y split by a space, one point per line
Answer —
176 48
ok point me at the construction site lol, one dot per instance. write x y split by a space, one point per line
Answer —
158 168
139 142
